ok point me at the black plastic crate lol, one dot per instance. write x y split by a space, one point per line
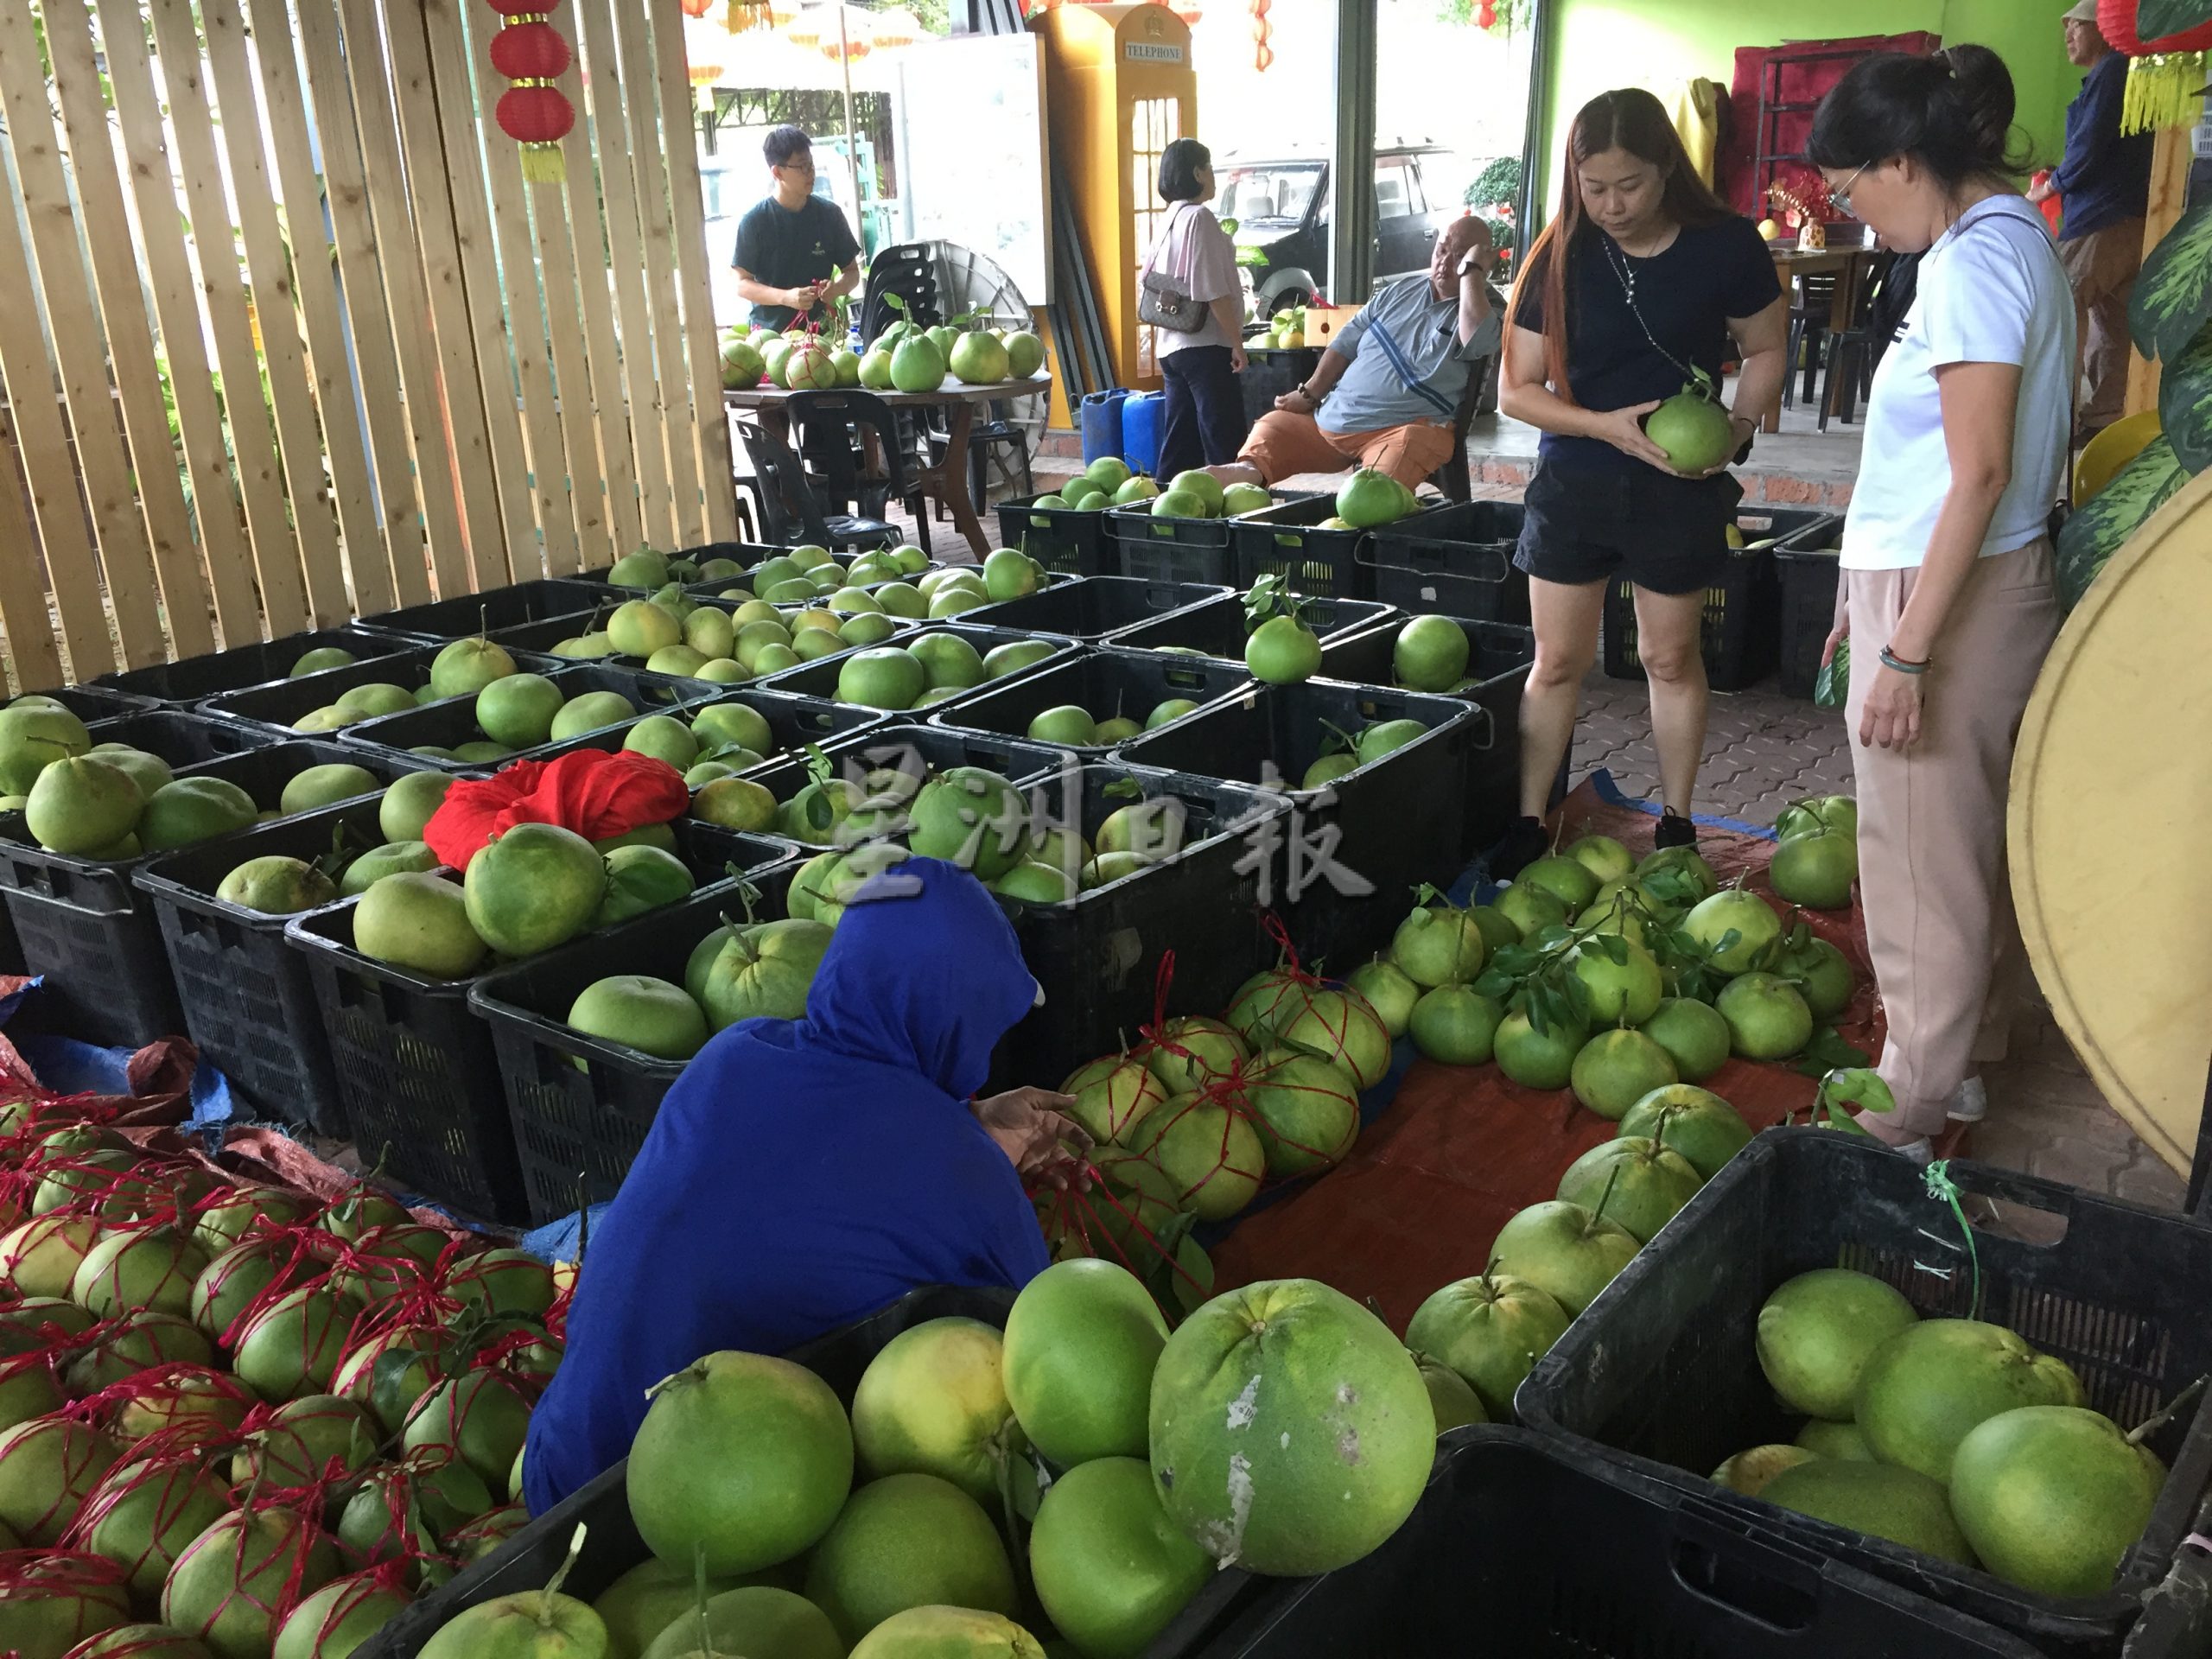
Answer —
91 703
81 923
1741 633
1284 542
1187 549
611 1547
417 1068
1106 683
1219 627
446 619
1554 1555
819 677
1384 828
793 722
1066 539
909 746
581 1106
196 679
1810 567
1662 1369
1098 958
451 723
280 702
1458 564
1095 609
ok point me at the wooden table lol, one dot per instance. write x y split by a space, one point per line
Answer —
945 481
1851 267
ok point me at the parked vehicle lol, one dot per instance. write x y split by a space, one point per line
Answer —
1282 206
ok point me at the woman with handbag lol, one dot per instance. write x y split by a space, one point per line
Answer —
1948 595
1189 293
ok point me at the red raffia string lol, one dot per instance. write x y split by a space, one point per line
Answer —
180 1468
45 1576
397 1546
381 1578
303 1256
238 1533
275 1438
161 1392
1153 1035
86 1453
1078 1213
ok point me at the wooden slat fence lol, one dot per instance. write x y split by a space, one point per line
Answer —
288 338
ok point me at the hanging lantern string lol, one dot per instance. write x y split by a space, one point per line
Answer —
532 54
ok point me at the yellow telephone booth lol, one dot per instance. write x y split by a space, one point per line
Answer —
1120 87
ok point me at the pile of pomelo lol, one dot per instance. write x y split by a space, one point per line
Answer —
1281 1428
463 668
1201 495
240 1419
1107 482
1072 724
1951 1437
930 667
1818 859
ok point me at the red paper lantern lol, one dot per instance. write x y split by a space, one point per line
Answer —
1262 54
537 117
520 8
2165 76
697 7
533 51
1485 16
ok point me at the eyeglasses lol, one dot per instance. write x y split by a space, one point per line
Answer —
1841 195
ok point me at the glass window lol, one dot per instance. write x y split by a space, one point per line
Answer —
1271 192
1394 188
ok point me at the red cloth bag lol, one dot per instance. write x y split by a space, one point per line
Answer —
592 792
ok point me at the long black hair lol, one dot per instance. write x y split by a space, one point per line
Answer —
1179 169
1951 112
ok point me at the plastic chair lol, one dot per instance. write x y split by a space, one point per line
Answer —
909 270
789 513
2104 455
1808 327
834 429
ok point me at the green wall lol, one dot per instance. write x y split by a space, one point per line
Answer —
1597 45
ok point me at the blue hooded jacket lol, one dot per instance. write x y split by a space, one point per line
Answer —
802 1174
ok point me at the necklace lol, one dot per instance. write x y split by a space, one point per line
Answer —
1623 271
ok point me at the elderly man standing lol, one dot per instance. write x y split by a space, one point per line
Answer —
1386 393
2105 183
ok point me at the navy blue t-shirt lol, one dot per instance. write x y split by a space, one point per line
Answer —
1686 292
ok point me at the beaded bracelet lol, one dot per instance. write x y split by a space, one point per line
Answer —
1890 659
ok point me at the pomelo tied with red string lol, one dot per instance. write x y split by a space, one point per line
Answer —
145 1513
1291 1431
50 1602
339 1617
48 1468
1306 1108
235 1585
1111 1095
1209 1145
1286 1007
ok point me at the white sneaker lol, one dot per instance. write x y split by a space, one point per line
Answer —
1971 1103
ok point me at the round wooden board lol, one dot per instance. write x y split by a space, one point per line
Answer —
2111 807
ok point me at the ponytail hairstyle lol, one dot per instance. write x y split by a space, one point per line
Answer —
1629 119
1951 112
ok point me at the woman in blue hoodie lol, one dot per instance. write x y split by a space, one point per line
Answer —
802 1174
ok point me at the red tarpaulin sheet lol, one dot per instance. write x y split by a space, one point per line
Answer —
1461 1149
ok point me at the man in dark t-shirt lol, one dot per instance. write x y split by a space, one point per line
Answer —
795 252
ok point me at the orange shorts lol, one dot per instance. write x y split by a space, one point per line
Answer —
1282 444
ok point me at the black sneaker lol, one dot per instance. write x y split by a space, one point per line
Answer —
1673 831
1524 843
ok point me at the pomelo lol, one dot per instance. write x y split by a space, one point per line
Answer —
480 1417
933 1401
1212 1153
339 1617
34 733
465 667
1491 1330
1533 1058
904 1541
979 359
590 711
1291 1432
1822 975
1816 869
235 1583
736 803
639 627
1450 1399
418 921
326 786
518 709
1733 910
81 803
1081 1343
1456 1025
292 1346
1897 1504
1829 1439
1239 499
141 1642
398 857
650 1598
949 1633
1694 431
150 772
744 1458
1162 713
948 660
1527 909
1180 503
723 723
1111 1567
193 810
754 1619
49 1466
1430 653
1931 1383
678 660
1695 1122
1305 1108
972 818
1749 1470
1389 991
277 886
1109 472
646 567
1369 498
917 365
1837 812
1564 1249
529 1624
1648 1184
1112 1094
302 1438
1567 880
150 1268
1604 857
55 1601
881 677
1693 1034
1438 944
1283 650
535 886
1067 723
1615 1069
1767 1019
1384 737
646 1012
2051 1497
443 1494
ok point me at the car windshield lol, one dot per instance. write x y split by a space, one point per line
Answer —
1267 190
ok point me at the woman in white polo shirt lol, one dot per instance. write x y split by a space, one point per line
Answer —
1947 594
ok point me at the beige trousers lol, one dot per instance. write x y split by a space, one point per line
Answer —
2102 266
1933 886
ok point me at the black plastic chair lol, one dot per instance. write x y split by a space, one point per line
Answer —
789 514
1809 329
1854 353
909 270
857 452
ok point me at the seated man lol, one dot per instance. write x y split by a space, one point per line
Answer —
803 1173
1387 394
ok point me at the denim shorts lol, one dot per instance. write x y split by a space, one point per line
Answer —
1593 524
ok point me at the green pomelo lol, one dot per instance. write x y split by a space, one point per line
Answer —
1922 1391
756 1619
1389 991
1453 1401
55 1602
1213 1155
1111 1567
1173 709
1438 944
1283 650
665 738
1239 499
739 723
482 754
1112 1094
536 886
154 1268
379 697
1456 1025
1291 1432
193 810
480 1417
646 1012
1306 1110
590 712
49 1466
1385 736
1207 1049
150 772
881 677
1564 1249
972 818
1528 909
1369 498
1694 431
1067 724
326 786
1430 653
1616 1068
743 1459
1750 1470
228 1582
418 921
518 710
1767 1019
81 804
40 1257
1824 976
639 879
1827 1439
292 1346
1836 812
1537 1059
908 1540
1897 1504
648 1599
1604 857
338 1618
141 1642
949 1633
443 1495
1749 916
529 1624
1700 1125
1649 1185
1815 869
1491 1330
401 857
947 659
1008 573
638 629
1694 1036
2051 1497
33 735
1631 990
277 886
1081 1344
300 1440
933 1401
